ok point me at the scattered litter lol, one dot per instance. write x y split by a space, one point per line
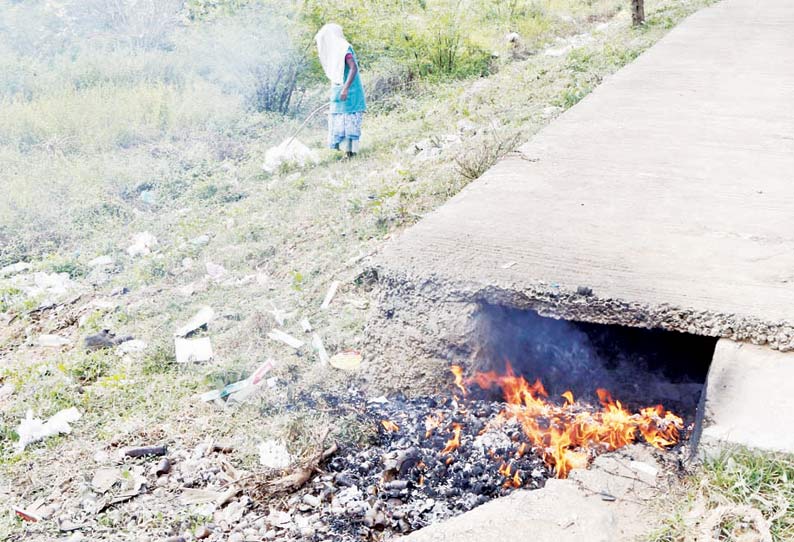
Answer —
101 261
329 296
199 496
273 454
306 325
134 346
214 271
272 382
645 468
193 350
382 400
293 151
142 244
607 497
32 429
27 515
104 479
508 265
141 451
103 339
52 341
347 361
286 338
163 467
202 318
67 526
14 268
281 316
200 240
239 391
317 343
50 283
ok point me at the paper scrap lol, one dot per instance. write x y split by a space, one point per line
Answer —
346 361
286 338
329 296
273 454
203 317
193 350
32 429
317 343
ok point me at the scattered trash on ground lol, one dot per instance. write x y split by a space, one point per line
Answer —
131 347
346 361
215 271
193 350
306 325
14 268
273 454
318 345
55 284
202 318
329 296
32 429
142 244
239 391
141 451
104 479
52 341
289 151
508 265
286 338
103 339
27 515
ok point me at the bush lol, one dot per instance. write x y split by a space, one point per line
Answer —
484 153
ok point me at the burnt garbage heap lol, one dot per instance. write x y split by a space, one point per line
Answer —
418 472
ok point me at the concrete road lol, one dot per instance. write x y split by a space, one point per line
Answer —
669 191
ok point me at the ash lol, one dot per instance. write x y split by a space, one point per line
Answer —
409 477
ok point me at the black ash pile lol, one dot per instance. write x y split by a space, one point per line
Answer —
432 459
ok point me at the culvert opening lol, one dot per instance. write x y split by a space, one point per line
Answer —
638 366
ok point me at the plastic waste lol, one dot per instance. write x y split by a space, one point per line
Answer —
32 429
238 392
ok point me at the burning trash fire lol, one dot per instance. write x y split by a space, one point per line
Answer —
435 457
567 436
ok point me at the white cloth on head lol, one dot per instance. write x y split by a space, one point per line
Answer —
332 48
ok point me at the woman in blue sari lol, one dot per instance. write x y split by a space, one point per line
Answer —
347 93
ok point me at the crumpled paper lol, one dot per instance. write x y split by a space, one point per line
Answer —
32 429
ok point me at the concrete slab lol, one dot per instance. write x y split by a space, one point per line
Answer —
749 389
668 191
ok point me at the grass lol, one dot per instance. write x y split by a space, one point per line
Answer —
83 142
722 490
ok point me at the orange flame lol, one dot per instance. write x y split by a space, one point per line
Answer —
457 370
389 425
453 443
568 439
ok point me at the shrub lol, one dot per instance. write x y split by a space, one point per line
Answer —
484 152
